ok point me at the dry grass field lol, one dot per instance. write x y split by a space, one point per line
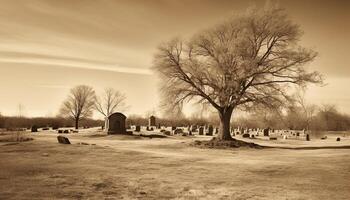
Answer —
126 167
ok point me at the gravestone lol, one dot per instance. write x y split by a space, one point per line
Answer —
246 135
194 128
307 137
34 128
178 131
338 139
137 128
266 132
201 130
216 130
210 130
116 123
152 121
63 140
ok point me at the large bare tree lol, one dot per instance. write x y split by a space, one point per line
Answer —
249 59
110 101
79 104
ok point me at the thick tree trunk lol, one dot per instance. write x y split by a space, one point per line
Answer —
224 129
76 123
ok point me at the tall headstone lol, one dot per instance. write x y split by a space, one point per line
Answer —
152 121
137 128
266 132
201 130
307 137
116 123
210 130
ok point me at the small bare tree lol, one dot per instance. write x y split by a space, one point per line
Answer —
308 110
248 60
79 104
110 101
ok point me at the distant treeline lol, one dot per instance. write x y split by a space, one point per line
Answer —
323 118
7 122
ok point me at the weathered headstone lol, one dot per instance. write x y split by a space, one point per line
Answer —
152 121
338 139
210 130
167 132
116 123
137 128
307 137
63 140
201 130
246 135
178 131
34 128
266 132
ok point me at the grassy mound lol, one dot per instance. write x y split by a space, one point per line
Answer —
225 144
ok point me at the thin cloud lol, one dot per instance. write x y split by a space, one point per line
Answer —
77 64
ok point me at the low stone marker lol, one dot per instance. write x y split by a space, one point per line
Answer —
246 135
138 128
167 132
338 139
178 131
34 129
324 137
63 140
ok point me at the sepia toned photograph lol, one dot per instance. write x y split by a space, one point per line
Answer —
174 99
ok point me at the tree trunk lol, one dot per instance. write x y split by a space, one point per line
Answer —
77 123
224 129
106 124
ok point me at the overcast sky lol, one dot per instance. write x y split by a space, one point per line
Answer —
49 46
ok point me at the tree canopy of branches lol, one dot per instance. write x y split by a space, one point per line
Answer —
247 60
79 104
111 101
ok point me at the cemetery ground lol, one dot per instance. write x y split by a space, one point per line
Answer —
98 166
